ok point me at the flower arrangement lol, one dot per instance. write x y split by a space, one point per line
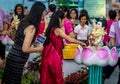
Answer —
2 66
79 77
1 72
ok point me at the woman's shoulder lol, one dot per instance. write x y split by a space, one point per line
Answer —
67 21
24 25
30 27
58 31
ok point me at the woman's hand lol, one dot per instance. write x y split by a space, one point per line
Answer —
83 44
40 48
4 32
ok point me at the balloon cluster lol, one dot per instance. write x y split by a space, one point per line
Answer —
102 56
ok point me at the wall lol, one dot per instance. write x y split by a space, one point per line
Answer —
8 5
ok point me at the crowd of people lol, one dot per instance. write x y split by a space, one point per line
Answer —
59 26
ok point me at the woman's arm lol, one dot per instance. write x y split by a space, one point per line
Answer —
29 35
112 41
75 35
5 27
61 33
72 34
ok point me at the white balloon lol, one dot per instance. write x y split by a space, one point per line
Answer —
77 55
113 57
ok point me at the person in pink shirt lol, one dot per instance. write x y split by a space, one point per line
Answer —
67 24
68 27
112 16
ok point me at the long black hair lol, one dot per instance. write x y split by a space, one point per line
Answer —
83 11
34 17
82 15
112 14
65 9
54 23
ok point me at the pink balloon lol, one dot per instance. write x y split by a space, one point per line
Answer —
102 53
114 54
87 52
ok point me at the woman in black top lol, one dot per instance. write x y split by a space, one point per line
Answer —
25 36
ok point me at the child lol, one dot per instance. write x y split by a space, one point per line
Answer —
82 30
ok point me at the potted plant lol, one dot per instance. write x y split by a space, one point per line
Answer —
31 73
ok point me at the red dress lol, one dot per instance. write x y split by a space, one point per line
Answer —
51 63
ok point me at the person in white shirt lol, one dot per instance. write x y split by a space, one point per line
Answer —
82 30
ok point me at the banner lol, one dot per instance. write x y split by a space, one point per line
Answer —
70 3
95 8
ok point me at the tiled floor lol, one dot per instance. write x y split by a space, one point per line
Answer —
114 77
